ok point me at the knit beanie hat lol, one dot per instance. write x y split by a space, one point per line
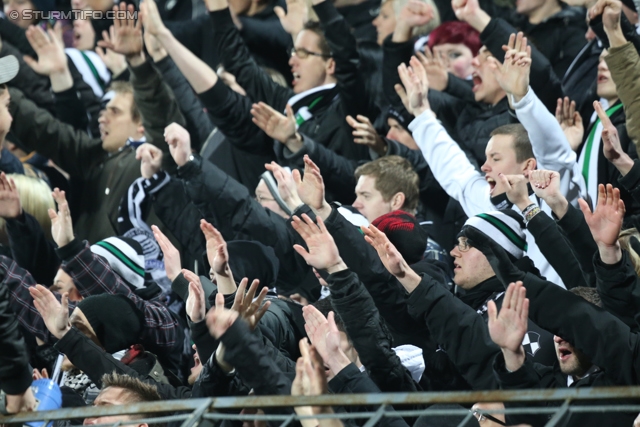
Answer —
400 115
125 256
405 232
115 319
505 227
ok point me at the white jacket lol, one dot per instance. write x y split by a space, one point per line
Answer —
468 186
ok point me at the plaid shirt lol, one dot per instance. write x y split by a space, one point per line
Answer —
18 281
92 275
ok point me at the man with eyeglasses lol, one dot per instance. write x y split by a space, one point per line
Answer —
325 88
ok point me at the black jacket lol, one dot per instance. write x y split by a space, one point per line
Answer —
197 122
229 207
31 250
95 362
328 125
618 289
555 247
559 37
610 344
578 234
241 149
368 332
15 375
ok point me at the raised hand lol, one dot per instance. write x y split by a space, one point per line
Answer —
49 48
570 121
217 253
61 224
125 35
151 20
171 256
611 142
294 18
546 185
311 188
508 328
605 222
154 47
610 11
513 73
54 313
436 69
311 380
415 13
249 307
517 191
323 253
415 87
278 126
179 142
220 319
322 332
195 305
10 206
393 261
150 158
470 12
286 185
115 62
365 134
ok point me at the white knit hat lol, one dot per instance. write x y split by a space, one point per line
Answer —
504 227
126 258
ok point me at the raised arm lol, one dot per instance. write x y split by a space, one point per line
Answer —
450 166
609 343
238 61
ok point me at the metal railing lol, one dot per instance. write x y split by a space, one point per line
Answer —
192 411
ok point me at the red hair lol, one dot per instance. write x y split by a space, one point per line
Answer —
456 32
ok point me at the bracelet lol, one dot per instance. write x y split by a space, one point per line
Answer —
528 208
530 214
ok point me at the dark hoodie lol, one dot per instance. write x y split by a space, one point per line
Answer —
559 37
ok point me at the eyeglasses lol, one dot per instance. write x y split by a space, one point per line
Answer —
303 53
260 199
463 244
484 417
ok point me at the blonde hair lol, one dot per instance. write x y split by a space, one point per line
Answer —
422 30
35 198
625 242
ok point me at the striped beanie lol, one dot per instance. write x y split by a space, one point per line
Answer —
125 256
505 227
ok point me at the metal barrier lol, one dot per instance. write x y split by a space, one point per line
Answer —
192 411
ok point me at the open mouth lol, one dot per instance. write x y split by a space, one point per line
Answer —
477 81
564 354
602 79
492 184
196 361
296 77
456 266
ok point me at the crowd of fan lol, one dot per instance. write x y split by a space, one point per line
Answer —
243 197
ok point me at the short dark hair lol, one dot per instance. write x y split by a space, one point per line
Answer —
394 174
590 294
521 142
315 27
126 87
138 390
